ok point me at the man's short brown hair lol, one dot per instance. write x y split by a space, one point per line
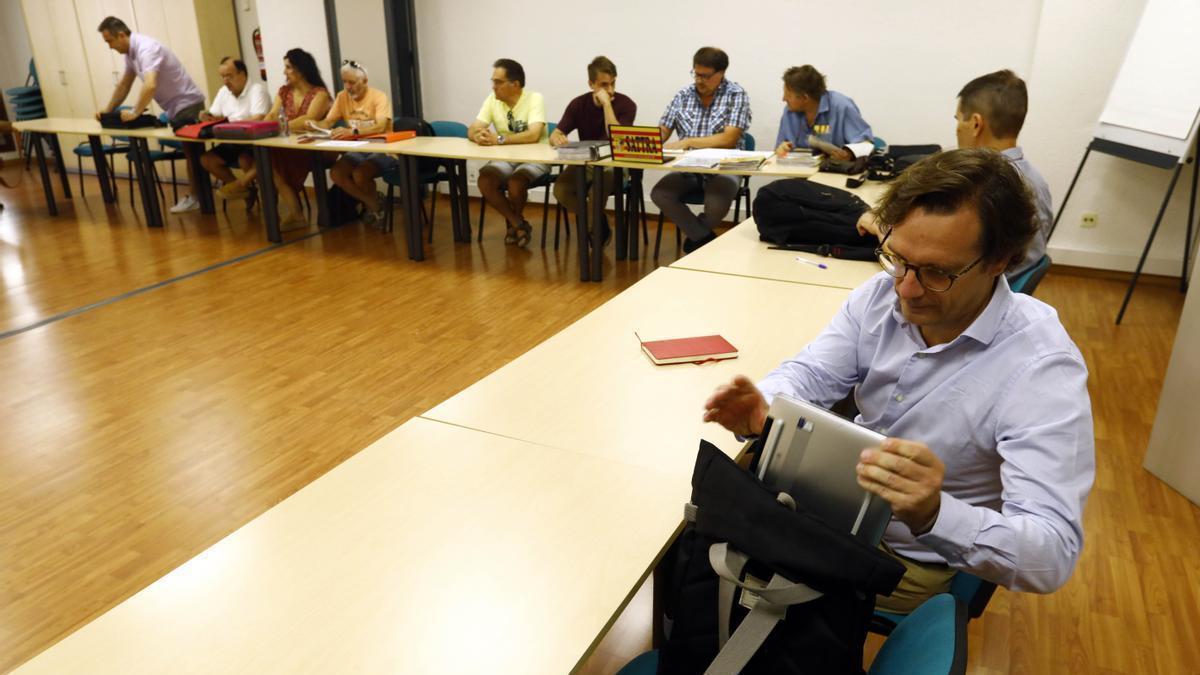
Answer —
980 177
1000 98
805 80
601 64
711 57
114 26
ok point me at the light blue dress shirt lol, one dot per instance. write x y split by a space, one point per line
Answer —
838 121
1005 405
1041 201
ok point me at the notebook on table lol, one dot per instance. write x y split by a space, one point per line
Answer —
689 350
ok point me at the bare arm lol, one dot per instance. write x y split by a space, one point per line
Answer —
666 133
119 93
531 135
481 133
149 86
316 111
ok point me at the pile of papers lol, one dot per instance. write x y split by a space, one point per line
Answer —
800 157
713 158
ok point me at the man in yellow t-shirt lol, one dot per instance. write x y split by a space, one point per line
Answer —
365 111
510 115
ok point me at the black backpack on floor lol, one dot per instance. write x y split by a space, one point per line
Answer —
795 212
820 583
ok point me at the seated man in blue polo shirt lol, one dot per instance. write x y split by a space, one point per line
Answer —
814 110
983 395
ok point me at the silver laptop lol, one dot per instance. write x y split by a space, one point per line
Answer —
811 454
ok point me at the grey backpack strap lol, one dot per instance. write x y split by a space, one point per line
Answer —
770 606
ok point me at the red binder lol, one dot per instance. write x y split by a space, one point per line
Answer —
689 350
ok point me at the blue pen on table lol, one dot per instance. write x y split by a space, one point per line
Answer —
806 261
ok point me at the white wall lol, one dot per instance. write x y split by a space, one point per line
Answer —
904 77
293 23
1080 48
362 37
14 46
246 13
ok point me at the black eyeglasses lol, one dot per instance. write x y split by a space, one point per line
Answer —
702 77
352 64
930 278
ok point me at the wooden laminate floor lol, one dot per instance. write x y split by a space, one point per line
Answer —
136 434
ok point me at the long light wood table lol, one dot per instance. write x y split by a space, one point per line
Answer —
457 151
590 388
739 252
435 550
626 238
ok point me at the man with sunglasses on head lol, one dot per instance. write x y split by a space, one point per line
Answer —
981 392
510 115
712 112
365 111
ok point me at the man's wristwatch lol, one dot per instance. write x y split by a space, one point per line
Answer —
500 140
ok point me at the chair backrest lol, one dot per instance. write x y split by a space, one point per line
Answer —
972 592
449 129
930 641
879 143
1027 281
749 140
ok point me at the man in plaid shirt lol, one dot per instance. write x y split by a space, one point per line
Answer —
711 113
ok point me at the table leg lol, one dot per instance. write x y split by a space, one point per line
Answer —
622 223
321 192
47 185
581 223
102 172
410 193
140 147
598 204
455 211
60 166
266 193
464 209
638 213
201 183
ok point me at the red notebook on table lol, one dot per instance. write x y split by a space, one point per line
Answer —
689 350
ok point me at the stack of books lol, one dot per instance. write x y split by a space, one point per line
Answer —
799 157
743 162
587 151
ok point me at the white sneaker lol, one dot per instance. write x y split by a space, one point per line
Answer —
188 203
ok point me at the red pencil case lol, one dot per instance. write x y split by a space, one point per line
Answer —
249 130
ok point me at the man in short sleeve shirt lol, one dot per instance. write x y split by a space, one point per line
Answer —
590 114
510 115
163 80
713 112
363 110
239 99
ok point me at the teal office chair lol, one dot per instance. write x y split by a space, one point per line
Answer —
119 146
696 198
546 181
1027 281
930 641
972 592
169 151
439 171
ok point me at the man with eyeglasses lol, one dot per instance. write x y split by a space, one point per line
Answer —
510 115
364 110
981 392
712 112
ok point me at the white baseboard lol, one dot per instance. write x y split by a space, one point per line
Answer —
1114 261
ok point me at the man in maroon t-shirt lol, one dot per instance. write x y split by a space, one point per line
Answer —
590 114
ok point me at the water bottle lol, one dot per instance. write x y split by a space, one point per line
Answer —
283 123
